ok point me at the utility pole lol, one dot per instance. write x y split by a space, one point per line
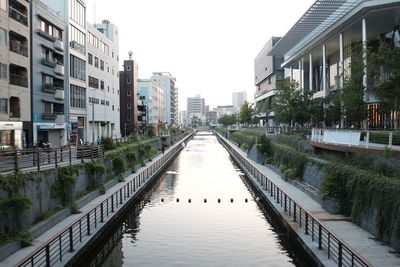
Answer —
92 121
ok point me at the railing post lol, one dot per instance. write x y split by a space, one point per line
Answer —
101 213
61 155
38 160
60 246
285 202
71 240
120 196
91 151
70 156
319 236
294 210
367 140
15 160
88 223
277 195
390 139
112 203
55 157
340 254
48 255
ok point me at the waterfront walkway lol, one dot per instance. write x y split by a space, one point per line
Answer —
360 240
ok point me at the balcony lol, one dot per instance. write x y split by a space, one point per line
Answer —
59 45
17 15
46 35
59 95
60 118
49 116
49 88
48 62
19 80
18 47
15 107
78 47
59 69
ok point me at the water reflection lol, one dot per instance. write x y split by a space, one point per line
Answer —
171 233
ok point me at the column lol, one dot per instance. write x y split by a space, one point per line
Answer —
310 83
341 61
301 73
364 44
291 73
324 68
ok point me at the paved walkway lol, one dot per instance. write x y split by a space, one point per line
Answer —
360 240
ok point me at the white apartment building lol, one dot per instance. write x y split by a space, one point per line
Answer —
238 99
152 94
170 94
195 105
103 82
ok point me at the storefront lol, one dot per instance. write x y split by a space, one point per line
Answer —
11 135
50 133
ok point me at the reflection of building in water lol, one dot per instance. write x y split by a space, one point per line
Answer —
115 258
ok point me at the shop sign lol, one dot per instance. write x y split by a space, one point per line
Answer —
7 125
73 119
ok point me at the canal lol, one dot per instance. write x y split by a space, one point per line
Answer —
201 212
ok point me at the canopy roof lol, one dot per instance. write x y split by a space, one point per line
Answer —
318 18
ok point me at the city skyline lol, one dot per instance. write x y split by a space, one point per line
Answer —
199 48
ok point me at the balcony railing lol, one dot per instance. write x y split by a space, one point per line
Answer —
20 80
49 116
49 88
15 114
46 35
18 16
49 62
17 47
75 45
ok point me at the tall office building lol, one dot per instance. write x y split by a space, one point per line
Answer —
128 95
15 92
170 95
152 95
49 82
238 99
195 105
103 102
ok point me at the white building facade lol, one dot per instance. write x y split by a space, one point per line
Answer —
103 82
238 99
152 95
170 95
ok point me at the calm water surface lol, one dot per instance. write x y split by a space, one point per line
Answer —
172 233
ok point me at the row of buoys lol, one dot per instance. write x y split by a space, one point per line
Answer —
205 200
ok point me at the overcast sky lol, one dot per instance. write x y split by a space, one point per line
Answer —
208 45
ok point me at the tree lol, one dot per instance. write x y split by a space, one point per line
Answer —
227 120
246 113
293 104
352 95
384 67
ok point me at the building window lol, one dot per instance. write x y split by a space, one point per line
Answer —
78 68
129 117
3 71
102 85
78 13
49 29
128 93
101 64
90 59
128 106
112 54
93 82
108 69
103 102
96 62
3 37
108 88
128 68
112 107
47 81
77 96
77 39
128 81
3 105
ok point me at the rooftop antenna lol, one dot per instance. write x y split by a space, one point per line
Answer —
130 53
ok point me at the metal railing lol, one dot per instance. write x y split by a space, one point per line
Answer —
20 80
67 240
11 160
336 249
18 16
18 47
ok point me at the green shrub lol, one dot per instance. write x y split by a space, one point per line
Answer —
118 165
294 140
264 145
63 184
268 160
283 168
102 189
94 171
290 173
108 143
360 192
290 157
131 158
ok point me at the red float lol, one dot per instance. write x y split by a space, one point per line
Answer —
177 200
231 200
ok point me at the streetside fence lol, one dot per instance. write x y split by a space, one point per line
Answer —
66 241
38 158
336 249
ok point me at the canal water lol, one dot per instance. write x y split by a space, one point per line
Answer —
160 231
